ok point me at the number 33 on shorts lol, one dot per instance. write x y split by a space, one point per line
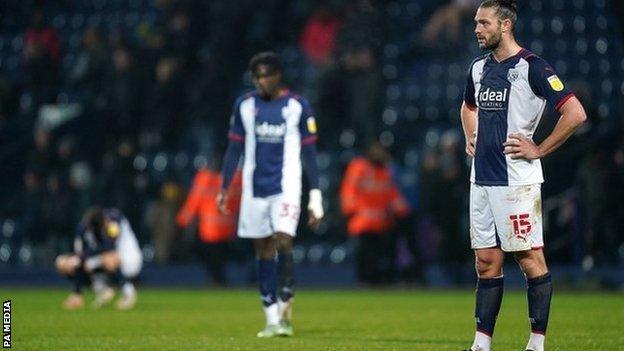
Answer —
290 211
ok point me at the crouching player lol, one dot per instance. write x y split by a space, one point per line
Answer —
105 249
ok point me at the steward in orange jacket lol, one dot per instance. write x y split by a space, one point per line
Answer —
216 230
370 199
372 203
214 227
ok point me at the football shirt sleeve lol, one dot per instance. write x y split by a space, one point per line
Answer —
230 162
469 90
235 147
546 84
237 131
307 124
307 129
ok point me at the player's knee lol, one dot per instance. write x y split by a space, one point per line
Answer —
532 264
267 253
265 248
283 242
487 267
528 265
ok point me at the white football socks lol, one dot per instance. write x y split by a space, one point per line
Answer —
285 308
271 313
481 342
128 289
99 283
536 342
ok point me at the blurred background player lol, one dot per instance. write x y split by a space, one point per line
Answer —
373 203
105 246
275 130
216 230
506 94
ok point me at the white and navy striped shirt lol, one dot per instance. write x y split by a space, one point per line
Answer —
273 132
511 96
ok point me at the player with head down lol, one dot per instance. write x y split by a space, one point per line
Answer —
275 131
105 249
506 93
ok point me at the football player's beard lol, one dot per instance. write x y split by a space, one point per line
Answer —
493 44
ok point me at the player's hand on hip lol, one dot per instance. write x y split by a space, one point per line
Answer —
222 198
519 146
470 145
315 208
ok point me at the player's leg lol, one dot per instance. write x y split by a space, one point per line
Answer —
101 267
284 214
101 284
489 294
285 281
255 223
539 294
267 281
130 266
519 220
109 267
489 260
69 265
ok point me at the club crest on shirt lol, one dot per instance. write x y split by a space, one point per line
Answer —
513 75
555 83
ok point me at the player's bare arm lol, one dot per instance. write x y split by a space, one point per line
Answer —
572 116
109 260
469 125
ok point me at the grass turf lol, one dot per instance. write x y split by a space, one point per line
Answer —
324 320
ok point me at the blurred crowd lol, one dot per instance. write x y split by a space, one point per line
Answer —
123 111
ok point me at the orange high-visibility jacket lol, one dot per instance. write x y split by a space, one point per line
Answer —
214 227
370 199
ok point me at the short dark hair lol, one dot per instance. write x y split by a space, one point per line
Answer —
94 220
268 58
505 9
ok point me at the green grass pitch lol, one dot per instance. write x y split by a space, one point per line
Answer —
324 320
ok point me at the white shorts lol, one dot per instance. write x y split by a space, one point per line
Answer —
262 217
131 257
131 265
509 216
